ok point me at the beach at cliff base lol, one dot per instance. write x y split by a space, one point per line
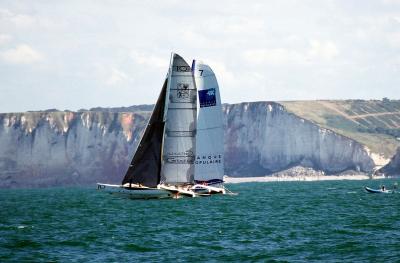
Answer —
236 180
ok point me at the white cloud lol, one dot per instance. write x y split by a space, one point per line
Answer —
391 2
117 77
23 21
5 13
318 50
193 38
22 54
224 76
280 48
149 60
19 20
394 39
241 25
5 39
274 56
323 49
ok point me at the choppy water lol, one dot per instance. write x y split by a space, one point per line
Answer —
285 221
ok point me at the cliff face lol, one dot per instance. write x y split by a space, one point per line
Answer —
393 167
39 149
66 148
262 137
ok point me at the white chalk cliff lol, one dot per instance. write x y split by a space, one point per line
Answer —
39 149
262 137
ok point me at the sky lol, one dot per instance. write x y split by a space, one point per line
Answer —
82 54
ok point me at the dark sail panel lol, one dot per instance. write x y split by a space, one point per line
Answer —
146 163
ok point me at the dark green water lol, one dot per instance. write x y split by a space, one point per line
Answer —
285 221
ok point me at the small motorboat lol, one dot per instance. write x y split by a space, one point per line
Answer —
377 191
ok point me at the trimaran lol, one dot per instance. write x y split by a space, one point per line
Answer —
181 150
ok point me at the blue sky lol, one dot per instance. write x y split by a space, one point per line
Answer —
82 54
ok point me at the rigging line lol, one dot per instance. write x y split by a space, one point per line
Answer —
182 108
204 129
182 89
206 76
180 130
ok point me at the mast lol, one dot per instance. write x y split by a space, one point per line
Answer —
180 130
145 166
209 163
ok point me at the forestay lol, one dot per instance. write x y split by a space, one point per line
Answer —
209 160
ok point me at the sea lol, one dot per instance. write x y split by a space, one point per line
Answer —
324 221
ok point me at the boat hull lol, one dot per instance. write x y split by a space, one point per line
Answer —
134 192
209 190
178 191
162 191
377 191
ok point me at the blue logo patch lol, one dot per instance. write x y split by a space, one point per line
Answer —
207 98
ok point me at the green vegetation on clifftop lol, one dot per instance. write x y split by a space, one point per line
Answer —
374 123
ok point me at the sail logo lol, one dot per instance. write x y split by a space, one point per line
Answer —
178 159
182 68
182 91
208 159
207 98
186 157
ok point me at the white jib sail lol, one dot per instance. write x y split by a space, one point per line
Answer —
209 160
180 130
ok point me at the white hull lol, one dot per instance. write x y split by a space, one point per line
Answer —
205 189
134 193
178 191
162 191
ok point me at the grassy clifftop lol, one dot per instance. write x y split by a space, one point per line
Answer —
374 123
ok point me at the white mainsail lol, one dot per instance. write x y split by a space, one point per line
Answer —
209 162
180 129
